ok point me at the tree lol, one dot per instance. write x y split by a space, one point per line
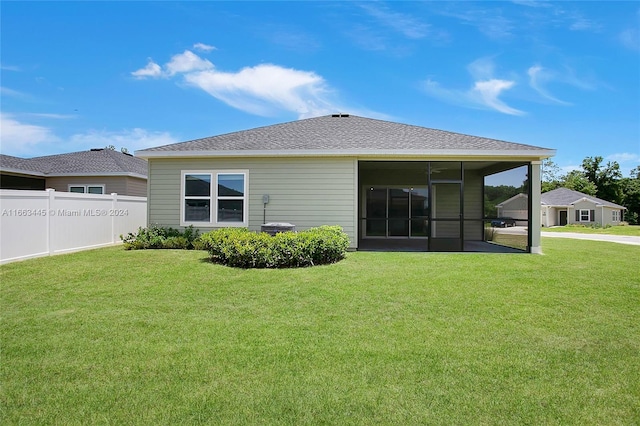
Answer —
630 188
550 176
605 177
577 181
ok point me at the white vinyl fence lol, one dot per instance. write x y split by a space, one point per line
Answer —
42 223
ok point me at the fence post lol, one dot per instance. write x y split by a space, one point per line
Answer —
114 206
51 197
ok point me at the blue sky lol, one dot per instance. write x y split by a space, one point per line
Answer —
562 75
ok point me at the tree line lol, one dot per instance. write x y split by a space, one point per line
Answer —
598 179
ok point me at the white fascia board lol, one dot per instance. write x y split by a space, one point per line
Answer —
92 174
436 153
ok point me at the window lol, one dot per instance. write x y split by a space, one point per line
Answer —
197 198
87 189
615 215
214 198
583 215
230 197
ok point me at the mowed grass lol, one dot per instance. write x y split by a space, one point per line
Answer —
163 337
628 230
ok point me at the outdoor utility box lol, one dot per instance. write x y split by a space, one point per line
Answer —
272 228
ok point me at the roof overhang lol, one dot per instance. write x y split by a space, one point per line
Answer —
22 172
532 154
50 175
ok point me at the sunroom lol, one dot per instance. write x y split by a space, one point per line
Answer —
440 205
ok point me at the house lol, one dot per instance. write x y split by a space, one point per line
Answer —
98 171
385 183
516 207
564 206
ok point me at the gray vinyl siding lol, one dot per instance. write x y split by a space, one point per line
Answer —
123 185
585 205
136 187
306 192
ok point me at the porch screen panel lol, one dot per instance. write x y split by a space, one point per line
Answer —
446 213
419 211
398 212
376 212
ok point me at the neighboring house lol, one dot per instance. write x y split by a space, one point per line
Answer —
98 171
516 207
381 181
564 206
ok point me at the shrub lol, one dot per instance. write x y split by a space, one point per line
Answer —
239 247
155 237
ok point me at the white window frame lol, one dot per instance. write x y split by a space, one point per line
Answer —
615 215
582 211
86 187
214 198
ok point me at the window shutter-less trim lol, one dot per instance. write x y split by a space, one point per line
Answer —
592 215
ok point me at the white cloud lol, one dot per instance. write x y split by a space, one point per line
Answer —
53 116
538 77
132 139
20 138
489 22
630 38
187 62
405 24
531 3
203 47
482 69
5 91
262 88
485 92
571 167
580 23
151 70
488 93
624 157
23 139
9 68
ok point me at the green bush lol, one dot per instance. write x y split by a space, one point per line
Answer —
155 237
239 247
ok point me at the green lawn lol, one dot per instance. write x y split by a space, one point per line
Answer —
163 337
630 230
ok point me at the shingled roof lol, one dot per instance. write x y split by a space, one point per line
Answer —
93 162
567 197
341 134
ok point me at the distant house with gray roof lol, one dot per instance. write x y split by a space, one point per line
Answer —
97 171
387 184
564 206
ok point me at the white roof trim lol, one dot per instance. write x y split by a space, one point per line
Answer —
533 153
587 199
116 174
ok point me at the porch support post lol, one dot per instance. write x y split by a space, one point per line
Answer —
535 219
